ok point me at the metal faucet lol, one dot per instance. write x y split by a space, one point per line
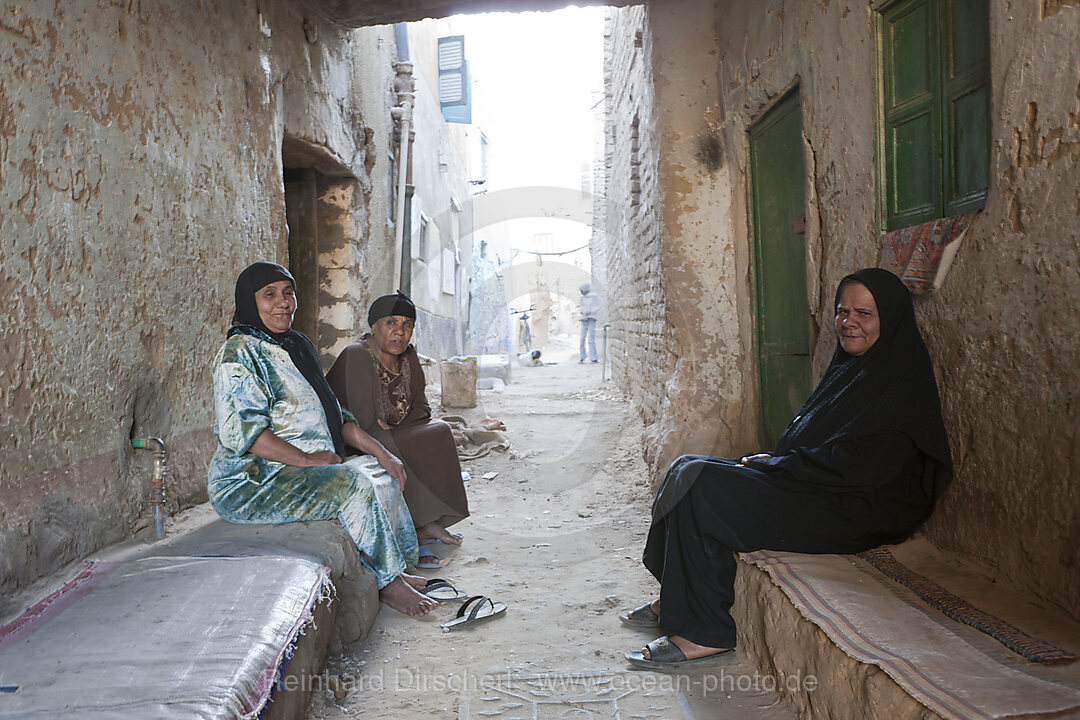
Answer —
157 483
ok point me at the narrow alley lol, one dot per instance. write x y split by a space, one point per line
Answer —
556 533
743 198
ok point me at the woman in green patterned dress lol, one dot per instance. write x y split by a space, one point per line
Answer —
282 435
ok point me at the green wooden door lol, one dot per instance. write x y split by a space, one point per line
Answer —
781 317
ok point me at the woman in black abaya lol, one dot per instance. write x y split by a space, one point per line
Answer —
860 465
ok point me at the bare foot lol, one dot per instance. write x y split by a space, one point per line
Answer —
415 581
435 531
691 650
401 596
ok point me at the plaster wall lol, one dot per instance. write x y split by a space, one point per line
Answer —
1004 350
1006 336
374 96
140 170
489 322
440 176
1001 332
705 382
355 204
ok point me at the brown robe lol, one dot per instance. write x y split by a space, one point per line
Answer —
434 490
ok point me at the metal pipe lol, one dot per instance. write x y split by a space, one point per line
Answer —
402 113
603 371
401 39
157 482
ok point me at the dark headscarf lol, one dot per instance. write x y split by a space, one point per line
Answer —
255 277
889 388
396 304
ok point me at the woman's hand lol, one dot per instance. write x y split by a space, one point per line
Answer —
360 440
383 425
323 457
393 466
270 447
750 458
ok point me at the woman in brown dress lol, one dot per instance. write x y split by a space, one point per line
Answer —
379 380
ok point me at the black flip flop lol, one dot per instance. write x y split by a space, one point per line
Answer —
482 609
668 658
442 591
643 617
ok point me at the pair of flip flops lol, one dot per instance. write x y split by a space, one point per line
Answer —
474 610
664 655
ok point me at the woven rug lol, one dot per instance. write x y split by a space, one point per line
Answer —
962 611
864 615
920 255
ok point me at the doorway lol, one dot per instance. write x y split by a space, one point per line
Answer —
301 215
324 211
778 224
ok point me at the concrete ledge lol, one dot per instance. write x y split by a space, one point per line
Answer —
840 639
780 642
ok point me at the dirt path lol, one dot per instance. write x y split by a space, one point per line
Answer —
557 536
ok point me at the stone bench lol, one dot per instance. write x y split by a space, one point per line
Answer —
840 639
209 622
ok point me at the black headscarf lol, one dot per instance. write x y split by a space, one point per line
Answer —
396 304
255 277
888 388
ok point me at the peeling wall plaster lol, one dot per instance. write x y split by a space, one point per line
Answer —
140 170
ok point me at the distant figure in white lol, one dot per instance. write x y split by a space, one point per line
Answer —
590 309
530 359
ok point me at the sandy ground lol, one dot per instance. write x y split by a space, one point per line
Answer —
557 535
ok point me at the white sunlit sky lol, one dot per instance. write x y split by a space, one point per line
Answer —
537 81
536 78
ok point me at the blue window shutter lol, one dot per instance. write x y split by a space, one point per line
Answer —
455 88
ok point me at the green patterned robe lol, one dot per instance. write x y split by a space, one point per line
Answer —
257 387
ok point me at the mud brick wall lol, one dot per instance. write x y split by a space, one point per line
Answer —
631 238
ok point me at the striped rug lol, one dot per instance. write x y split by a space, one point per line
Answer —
958 609
853 605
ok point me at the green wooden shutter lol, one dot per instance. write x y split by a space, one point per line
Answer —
911 193
965 82
935 113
